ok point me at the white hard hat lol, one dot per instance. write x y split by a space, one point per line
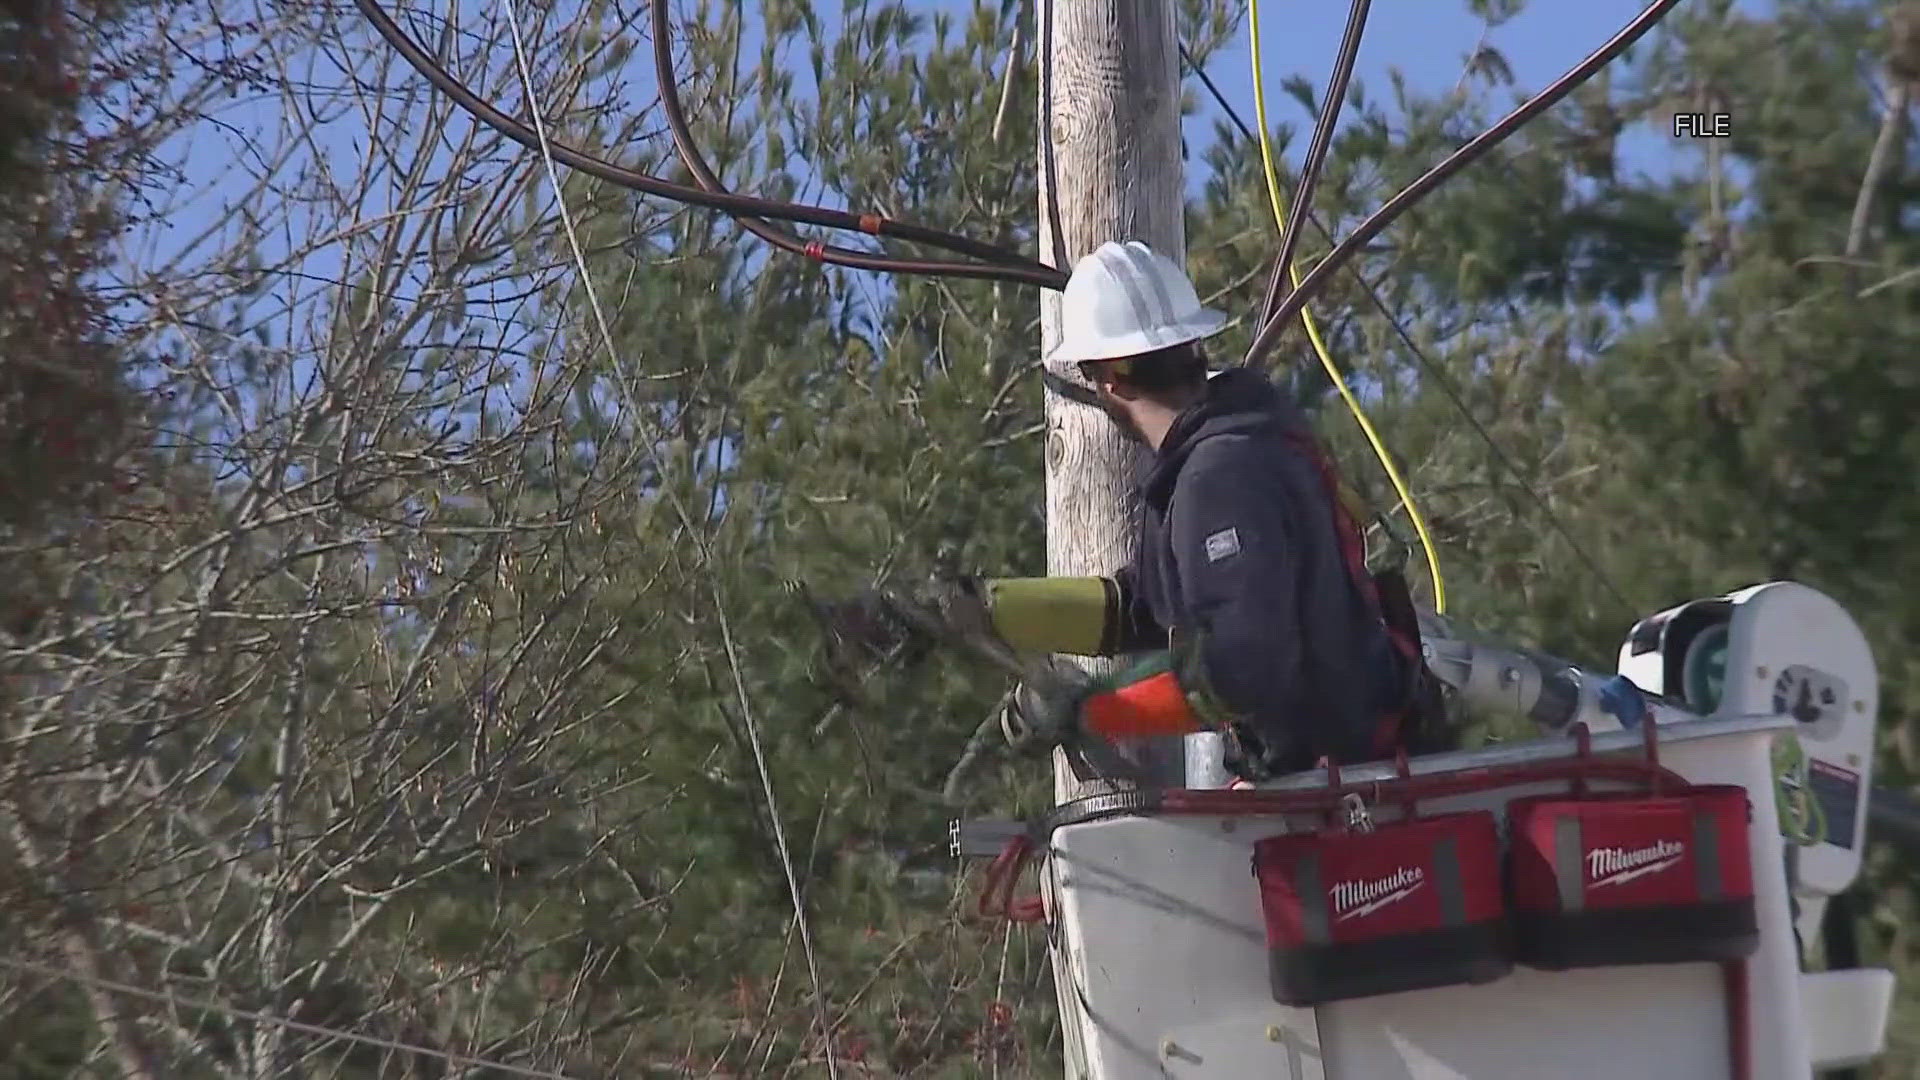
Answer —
1125 300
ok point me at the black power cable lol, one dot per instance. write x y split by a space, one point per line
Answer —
1246 132
1006 265
1316 153
1342 252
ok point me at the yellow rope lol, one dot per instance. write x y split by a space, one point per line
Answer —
1313 330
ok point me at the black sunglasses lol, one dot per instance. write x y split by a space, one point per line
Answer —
1090 369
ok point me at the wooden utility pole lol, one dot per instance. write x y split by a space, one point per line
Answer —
1109 170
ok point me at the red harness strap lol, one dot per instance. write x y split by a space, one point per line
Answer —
1353 551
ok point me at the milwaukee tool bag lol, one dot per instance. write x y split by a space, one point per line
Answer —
1663 878
1408 905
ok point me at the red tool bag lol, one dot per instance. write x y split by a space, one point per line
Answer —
1657 878
1358 910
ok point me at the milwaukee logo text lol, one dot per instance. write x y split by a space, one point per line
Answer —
1613 866
1352 899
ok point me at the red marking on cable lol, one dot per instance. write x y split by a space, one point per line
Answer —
871 223
816 250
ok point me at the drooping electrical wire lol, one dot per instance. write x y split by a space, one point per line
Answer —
1008 265
1002 264
1290 224
1317 147
1427 364
1391 210
1017 268
747 721
703 174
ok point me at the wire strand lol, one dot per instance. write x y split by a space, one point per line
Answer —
1427 364
168 997
726 633
1283 263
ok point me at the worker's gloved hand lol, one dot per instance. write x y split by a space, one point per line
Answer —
1046 710
1146 699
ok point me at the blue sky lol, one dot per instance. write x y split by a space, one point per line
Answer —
1426 40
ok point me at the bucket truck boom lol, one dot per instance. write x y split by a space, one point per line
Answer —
1148 895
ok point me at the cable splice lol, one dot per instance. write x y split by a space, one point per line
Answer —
1006 265
1391 210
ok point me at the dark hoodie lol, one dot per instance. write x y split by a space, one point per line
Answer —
1238 541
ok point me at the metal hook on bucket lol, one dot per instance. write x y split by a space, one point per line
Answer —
1650 742
1358 819
1583 755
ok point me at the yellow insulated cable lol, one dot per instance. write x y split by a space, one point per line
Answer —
1313 329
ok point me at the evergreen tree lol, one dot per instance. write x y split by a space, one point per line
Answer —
446 664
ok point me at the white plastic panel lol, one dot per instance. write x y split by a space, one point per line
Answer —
1647 670
1599 1024
1846 1015
1162 924
1166 942
1792 649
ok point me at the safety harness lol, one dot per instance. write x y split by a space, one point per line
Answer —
1418 714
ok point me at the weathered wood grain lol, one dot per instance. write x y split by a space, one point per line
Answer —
1110 170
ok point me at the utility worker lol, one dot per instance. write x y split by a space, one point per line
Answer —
1250 579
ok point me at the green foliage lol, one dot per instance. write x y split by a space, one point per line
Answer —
64 404
547 836
1695 374
1747 426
